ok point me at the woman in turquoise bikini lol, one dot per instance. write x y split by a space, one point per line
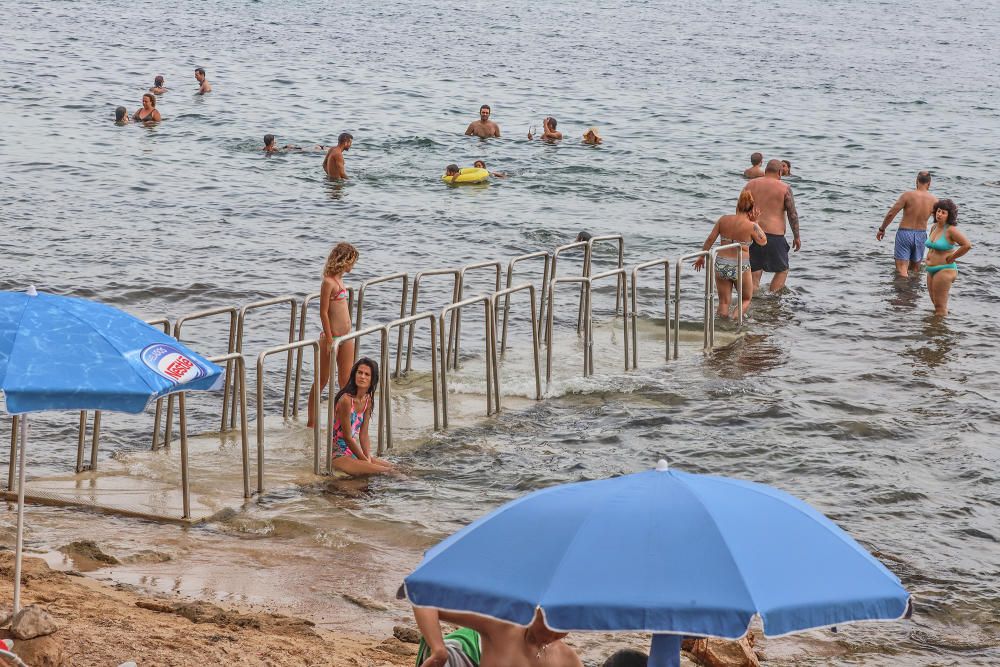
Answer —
352 452
945 244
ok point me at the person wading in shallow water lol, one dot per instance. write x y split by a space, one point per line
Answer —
775 201
484 128
945 245
333 164
916 206
488 642
203 85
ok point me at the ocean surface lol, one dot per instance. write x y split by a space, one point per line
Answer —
844 390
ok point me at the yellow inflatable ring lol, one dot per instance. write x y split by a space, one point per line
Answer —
468 175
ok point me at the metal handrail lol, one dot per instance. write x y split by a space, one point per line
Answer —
405 279
552 275
382 399
288 347
709 270
739 283
665 262
456 332
588 269
241 367
279 300
456 275
232 311
510 281
297 389
491 357
387 386
506 293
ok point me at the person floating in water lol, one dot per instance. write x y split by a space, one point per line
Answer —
484 128
355 406
549 132
775 201
453 171
479 164
754 170
148 112
333 165
786 168
482 641
203 85
158 88
592 137
121 116
945 245
917 206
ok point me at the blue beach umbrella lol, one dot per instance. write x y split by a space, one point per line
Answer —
63 353
663 551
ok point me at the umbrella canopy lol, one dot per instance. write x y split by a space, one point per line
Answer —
661 551
60 352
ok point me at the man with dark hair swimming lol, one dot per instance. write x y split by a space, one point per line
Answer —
754 170
484 128
916 206
333 165
204 86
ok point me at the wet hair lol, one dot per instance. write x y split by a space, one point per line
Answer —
584 236
120 114
152 99
268 139
451 170
627 658
344 137
158 81
341 258
552 122
487 107
773 167
199 70
787 164
479 162
946 205
756 159
352 386
924 177
745 203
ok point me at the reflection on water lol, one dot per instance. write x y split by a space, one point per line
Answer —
937 343
907 293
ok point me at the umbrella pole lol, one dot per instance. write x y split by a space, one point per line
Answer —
20 516
665 651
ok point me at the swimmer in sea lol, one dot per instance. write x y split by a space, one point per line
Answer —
945 244
479 164
271 147
754 170
917 206
333 165
592 138
786 168
355 406
335 316
121 116
484 128
453 171
158 88
203 85
549 132
148 112
740 228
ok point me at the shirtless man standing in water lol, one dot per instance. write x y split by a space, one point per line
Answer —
775 201
916 206
484 128
487 642
333 165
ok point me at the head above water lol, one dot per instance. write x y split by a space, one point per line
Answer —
745 203
627 658
345 139
584 236
268 140
924 178
120 114
949 206
341 259
478 164
786 167
158 81
352 383
552 123
199 73
484 112
773 167
452 170
149 97
756 159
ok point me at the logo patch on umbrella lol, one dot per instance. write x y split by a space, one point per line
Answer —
171 363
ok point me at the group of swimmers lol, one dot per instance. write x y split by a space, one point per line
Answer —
148 113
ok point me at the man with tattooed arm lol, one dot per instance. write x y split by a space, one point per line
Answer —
774 200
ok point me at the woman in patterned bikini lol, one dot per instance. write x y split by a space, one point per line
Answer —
352 451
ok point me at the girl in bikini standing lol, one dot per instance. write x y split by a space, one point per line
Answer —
336 318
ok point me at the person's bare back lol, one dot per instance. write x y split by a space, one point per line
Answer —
916 206
775 201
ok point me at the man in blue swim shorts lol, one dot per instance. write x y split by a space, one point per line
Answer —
916 206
